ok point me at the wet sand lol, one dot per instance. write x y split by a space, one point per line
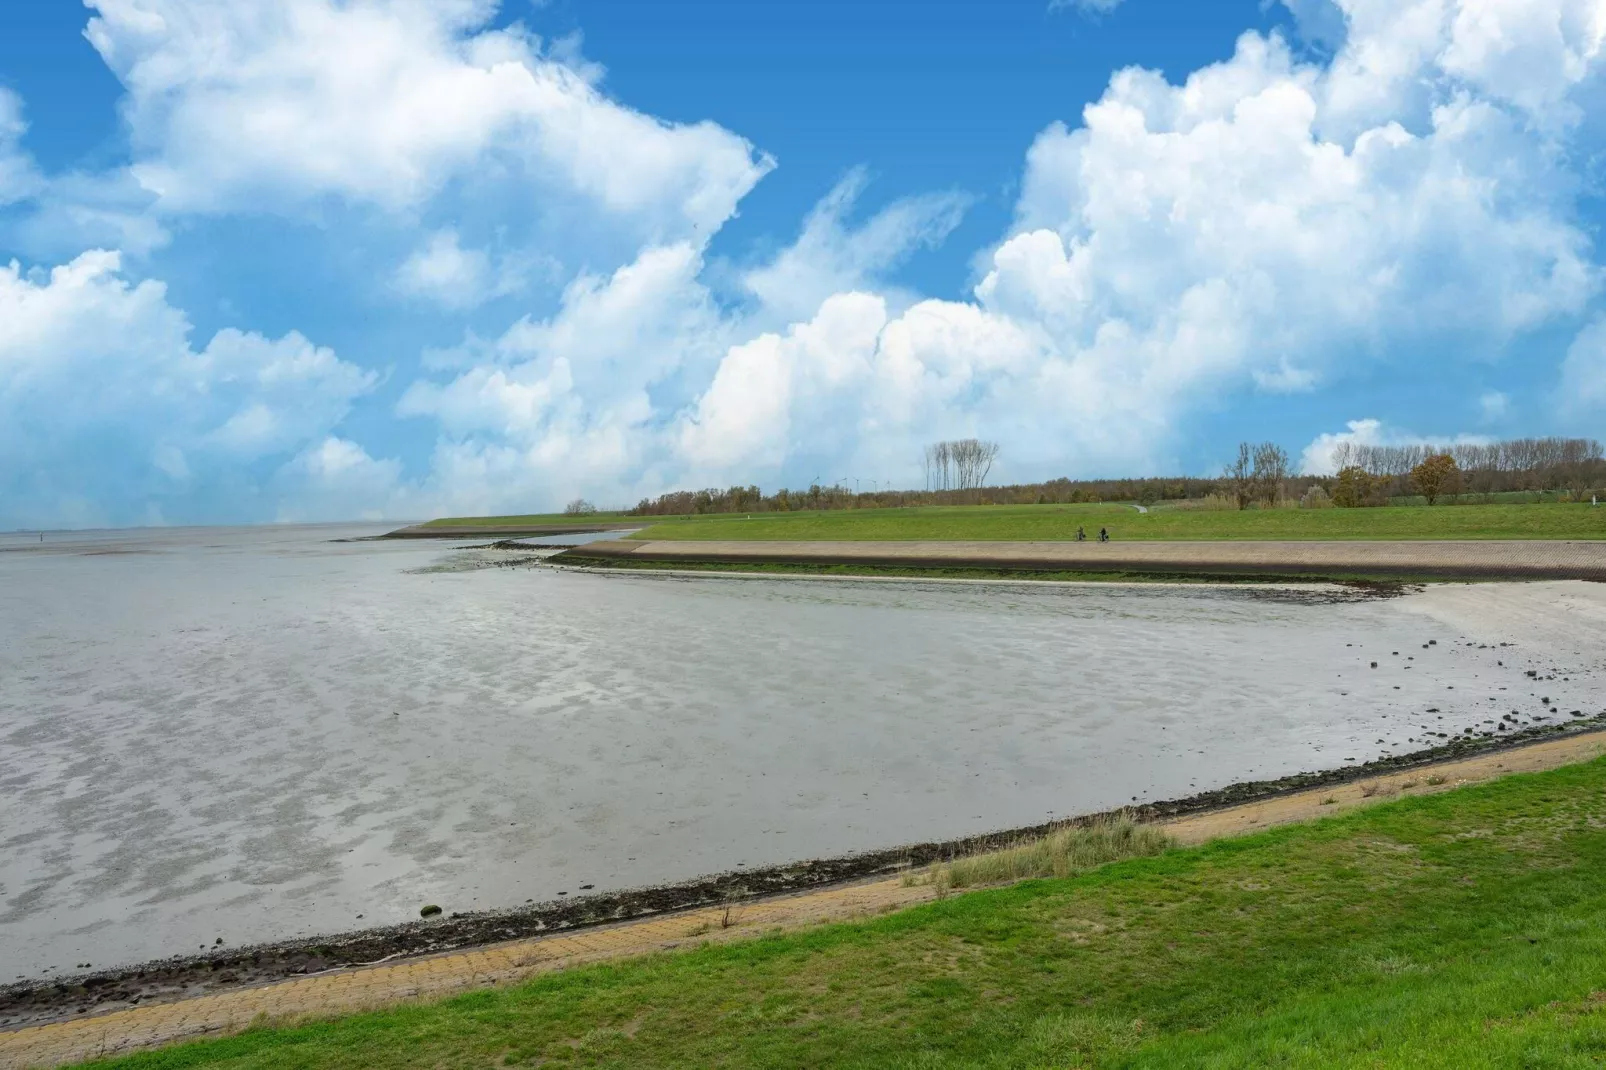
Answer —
263 737
164 1017
498 531
1487 559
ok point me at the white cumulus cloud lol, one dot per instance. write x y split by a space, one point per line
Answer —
1317 459
1271 223
106 409
273 103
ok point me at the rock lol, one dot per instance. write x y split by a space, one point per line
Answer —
429 911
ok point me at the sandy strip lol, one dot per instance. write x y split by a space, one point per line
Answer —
345 991
1486 559
498 531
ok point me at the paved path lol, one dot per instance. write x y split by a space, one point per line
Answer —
1488 559
344 991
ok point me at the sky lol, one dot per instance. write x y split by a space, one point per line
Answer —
304 260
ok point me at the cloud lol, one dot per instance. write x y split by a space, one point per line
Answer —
1494 405
1321 22
1241 231
609 396
19 177
1317 458
831 257
445 274
1583 372
1085 7
1273 223
336 479
106 411
276 104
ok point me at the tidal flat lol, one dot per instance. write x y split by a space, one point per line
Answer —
261 734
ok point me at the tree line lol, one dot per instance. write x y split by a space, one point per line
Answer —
1257 476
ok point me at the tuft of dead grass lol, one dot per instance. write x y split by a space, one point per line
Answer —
1064 853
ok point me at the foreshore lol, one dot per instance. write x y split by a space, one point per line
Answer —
1238 807
503 531
1400 560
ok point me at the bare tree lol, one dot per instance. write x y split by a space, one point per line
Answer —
579 507
960 464
1239 476
1271 469
973 459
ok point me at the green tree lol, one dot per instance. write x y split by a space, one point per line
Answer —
1354 487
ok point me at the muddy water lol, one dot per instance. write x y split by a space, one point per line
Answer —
259 734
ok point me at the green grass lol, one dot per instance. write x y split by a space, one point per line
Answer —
1008 522
1464 930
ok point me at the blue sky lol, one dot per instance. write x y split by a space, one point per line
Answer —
322 259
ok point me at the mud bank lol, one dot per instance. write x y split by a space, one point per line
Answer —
1464 560
183 977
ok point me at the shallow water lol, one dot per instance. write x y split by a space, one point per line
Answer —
255 734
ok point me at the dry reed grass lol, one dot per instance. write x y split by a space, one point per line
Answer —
1063 853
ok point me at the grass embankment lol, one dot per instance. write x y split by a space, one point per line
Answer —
1058 522
1466 929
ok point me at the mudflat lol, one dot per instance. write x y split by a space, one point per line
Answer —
174 1008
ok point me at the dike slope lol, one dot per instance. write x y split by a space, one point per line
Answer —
1491 559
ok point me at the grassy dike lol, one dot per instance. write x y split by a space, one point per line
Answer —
1466 929
1059 522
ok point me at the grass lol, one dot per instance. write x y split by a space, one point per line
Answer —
1057 522
1465 929
1064 853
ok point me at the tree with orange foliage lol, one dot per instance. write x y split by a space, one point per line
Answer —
1436 475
